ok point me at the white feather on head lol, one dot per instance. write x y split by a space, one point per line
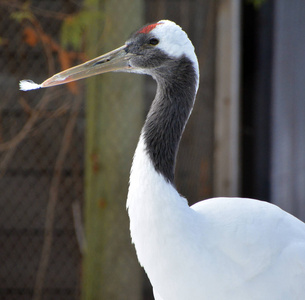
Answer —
175 42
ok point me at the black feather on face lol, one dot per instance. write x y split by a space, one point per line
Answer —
148 56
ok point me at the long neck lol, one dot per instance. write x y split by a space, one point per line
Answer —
155 208
162 131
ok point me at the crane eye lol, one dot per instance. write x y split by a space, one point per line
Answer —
154 41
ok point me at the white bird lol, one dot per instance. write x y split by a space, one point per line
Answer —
220 248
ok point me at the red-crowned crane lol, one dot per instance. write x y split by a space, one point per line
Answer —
220 248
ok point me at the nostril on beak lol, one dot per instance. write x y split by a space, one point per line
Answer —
101 62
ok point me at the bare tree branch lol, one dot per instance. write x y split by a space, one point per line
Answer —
53 198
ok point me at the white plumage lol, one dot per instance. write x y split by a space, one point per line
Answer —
218 249
221 248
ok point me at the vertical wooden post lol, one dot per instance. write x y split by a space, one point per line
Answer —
226 179
287 176
114 116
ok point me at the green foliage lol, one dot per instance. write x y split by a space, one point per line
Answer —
24 13
74 27
256 3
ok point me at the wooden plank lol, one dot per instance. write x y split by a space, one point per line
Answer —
288 108
114 117
226 176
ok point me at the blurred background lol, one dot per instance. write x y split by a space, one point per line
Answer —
66 151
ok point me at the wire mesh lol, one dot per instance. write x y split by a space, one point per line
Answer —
41 157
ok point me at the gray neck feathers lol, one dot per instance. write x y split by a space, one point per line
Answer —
169 112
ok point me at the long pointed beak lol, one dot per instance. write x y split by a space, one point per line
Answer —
116 60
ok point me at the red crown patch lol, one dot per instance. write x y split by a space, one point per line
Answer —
148 28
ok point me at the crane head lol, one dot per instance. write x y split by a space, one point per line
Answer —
151 50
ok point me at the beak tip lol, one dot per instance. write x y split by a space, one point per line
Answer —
55 80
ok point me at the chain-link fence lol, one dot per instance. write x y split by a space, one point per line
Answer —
41 162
